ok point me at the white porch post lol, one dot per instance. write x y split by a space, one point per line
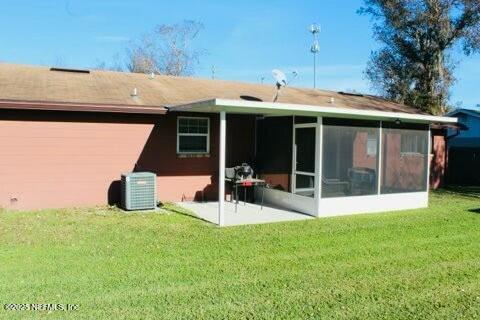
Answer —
221 168
318 165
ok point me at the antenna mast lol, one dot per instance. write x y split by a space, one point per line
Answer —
315 48
213 72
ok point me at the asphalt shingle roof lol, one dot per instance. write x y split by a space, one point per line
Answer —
36 83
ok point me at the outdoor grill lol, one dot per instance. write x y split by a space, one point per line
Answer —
242 176
244 171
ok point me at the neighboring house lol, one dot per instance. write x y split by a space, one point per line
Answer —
464 148
67 135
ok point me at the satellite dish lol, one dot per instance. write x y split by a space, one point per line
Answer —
281 81
280 78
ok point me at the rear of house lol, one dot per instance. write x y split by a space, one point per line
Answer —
67 135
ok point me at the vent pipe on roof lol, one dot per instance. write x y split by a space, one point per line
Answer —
134 92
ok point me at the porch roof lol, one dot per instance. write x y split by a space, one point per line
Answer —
289 109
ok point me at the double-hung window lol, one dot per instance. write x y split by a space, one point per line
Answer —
193 135
412 144
372 144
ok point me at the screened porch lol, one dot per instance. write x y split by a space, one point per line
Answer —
325 161
342 158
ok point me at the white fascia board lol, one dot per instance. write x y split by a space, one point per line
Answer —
276 109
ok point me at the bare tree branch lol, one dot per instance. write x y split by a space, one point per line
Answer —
167 50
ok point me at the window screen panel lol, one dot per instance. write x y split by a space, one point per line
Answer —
304 181
350 162
192 125
305 142
194 144
404 160
305 185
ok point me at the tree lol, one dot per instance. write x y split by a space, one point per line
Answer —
166 50
415 65
115 65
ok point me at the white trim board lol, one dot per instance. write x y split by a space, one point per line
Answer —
330 207
374 203
275 108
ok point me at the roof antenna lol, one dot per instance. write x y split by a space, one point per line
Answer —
213 72
315 48
281 81
294 75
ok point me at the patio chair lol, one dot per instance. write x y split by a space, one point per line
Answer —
362 180
335 187
230 177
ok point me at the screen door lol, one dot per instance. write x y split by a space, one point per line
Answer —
304 160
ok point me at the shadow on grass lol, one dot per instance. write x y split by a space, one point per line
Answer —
182 211
464 191
477 210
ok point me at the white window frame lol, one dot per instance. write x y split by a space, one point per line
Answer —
193 135
376 144
294 158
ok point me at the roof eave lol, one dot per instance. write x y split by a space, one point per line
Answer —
275 108
80 107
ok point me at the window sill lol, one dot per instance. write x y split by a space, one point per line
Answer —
411 154
193 155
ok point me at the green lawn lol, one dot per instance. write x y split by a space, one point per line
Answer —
414 264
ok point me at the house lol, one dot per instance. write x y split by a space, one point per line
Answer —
464 148
67 135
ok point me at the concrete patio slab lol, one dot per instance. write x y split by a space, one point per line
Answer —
248 213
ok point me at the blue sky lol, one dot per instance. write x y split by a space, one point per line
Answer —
244 40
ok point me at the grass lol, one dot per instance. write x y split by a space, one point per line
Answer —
414 264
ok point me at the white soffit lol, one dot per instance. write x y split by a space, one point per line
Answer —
288 109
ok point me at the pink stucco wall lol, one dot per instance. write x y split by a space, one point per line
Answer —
55 159
62 164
